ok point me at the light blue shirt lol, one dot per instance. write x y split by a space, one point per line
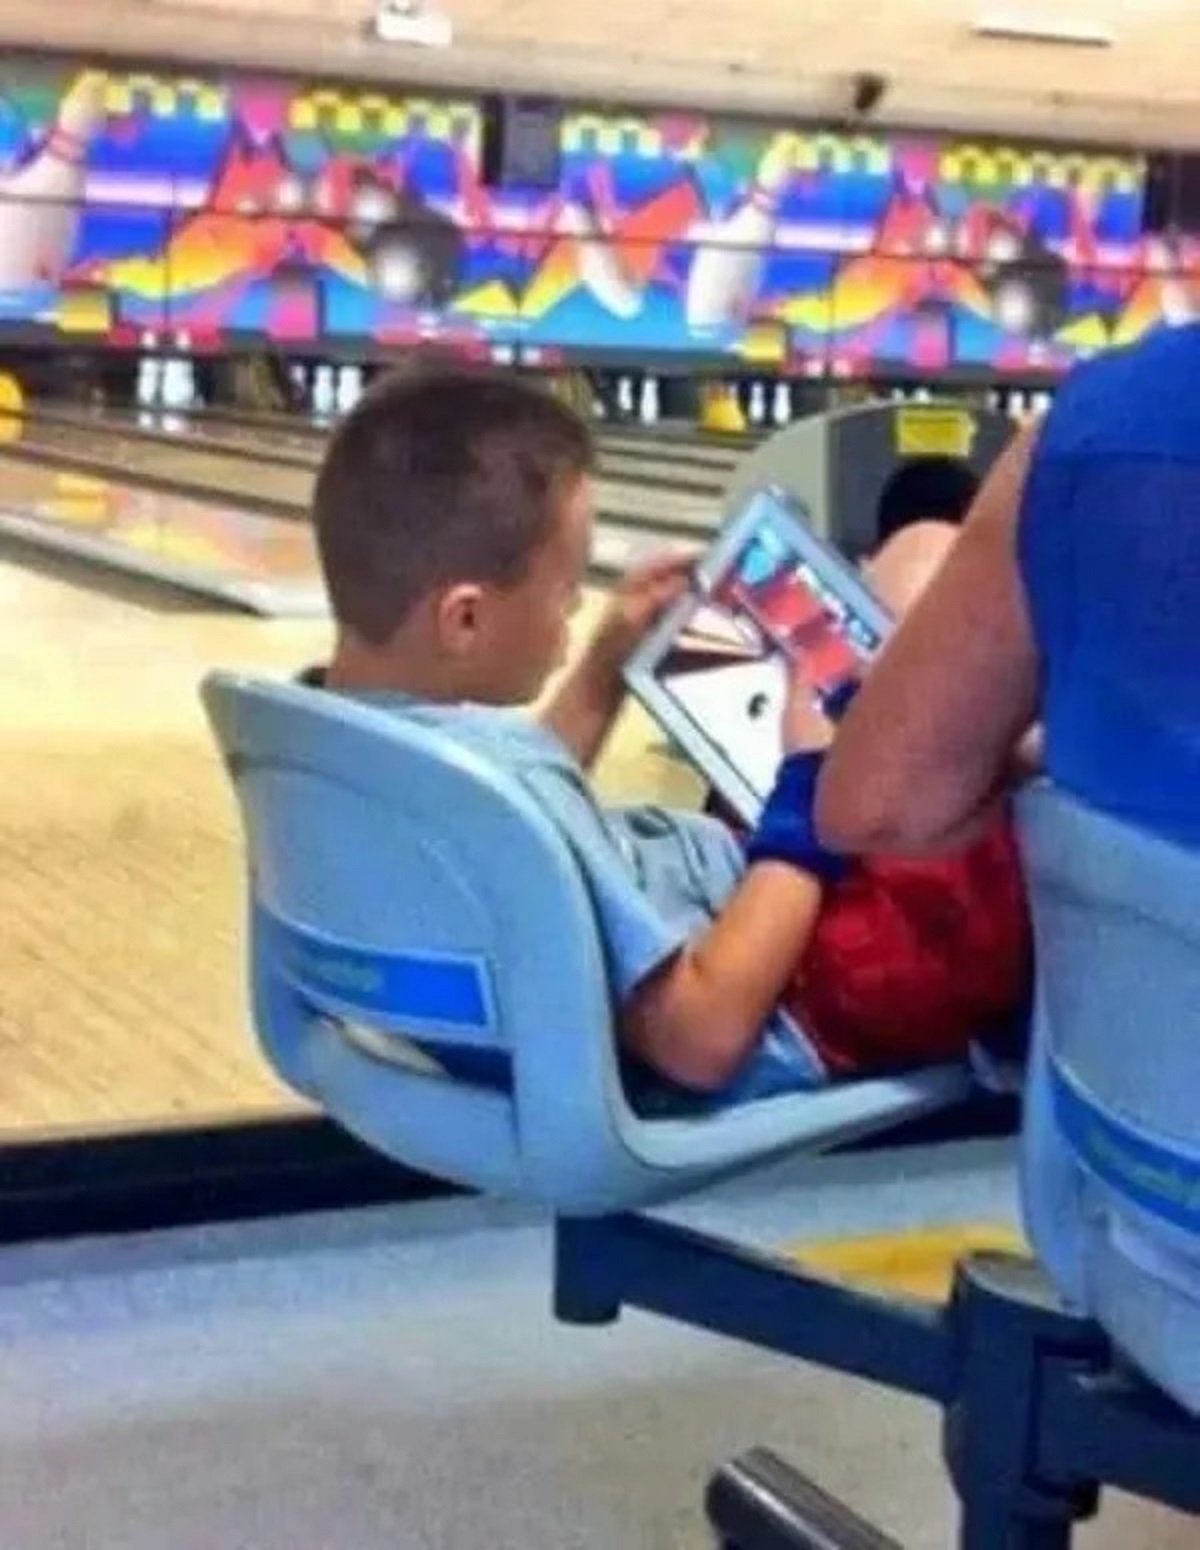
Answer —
656 877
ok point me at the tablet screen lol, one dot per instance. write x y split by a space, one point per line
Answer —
778 596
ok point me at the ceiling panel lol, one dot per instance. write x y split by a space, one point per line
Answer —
789 57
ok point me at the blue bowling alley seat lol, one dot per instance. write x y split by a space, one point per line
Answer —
425 967
1111 1166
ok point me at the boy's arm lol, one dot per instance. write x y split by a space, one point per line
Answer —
698 1017
585 705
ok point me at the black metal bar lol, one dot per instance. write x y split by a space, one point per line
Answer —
760 1503
1117 1429
758 1298
988 1524
1010 1328
56 1187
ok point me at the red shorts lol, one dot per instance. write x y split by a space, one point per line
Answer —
910 959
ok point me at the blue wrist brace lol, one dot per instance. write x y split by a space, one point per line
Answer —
839 700
786 831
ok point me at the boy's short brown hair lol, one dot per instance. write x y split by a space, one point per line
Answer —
440 473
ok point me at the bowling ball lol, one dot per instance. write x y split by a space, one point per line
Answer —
1028 284
373 204
416 261
1031 301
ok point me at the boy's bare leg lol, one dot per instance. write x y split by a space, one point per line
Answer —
903 567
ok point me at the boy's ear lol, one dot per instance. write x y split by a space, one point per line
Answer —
458 617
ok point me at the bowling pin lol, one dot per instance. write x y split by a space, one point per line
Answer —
324 399
181 385
726 272
40 201
781 404
625 397
166 393
649 401
149 378
349 388
758 403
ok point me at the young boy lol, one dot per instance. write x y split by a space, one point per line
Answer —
453 519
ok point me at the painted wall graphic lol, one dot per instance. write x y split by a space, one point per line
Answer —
231 207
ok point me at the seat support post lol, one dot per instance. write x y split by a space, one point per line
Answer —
1036 1420
763 1299
1010 1332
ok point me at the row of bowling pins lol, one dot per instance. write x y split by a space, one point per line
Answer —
166 382
642 401
637 400
1018 405
329 390
1014 402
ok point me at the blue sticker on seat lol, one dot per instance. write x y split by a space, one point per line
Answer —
1160 1179
430 988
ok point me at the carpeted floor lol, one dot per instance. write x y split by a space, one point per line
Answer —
394 1381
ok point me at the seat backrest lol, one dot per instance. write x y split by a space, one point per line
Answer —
408 901
1112 1136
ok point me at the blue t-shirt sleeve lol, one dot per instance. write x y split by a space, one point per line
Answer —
638 938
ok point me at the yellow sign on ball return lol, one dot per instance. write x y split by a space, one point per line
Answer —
934 430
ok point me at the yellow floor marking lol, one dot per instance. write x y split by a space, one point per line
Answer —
918 1264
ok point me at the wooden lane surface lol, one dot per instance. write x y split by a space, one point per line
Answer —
230 476
121 982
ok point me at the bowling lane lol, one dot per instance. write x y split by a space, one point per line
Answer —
681 444
268 443
676 451
221 551
216 549
107 451
285 489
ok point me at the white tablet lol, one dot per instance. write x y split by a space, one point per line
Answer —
714 671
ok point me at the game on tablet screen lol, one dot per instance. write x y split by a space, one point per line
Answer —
728 668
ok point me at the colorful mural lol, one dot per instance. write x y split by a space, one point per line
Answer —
224 208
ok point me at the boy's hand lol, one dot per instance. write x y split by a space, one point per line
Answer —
805 727
590 696
638 602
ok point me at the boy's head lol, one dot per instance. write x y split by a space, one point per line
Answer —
453 522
